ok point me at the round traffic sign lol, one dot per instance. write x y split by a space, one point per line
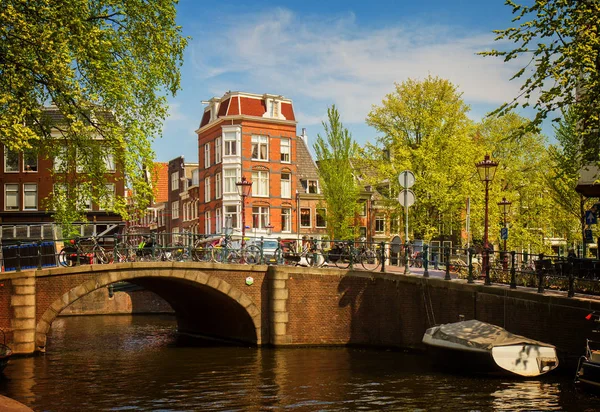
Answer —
407 194
406 179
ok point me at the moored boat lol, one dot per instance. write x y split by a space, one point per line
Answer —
588 370
484 347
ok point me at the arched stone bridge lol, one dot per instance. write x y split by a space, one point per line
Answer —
294 305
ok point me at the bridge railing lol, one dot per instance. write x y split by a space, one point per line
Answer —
516 269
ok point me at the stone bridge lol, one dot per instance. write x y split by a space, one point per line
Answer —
285 306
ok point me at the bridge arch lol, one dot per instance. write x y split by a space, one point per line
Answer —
191 282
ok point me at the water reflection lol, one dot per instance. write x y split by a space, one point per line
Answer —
110 363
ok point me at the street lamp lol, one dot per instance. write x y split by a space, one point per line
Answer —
244 189
486 169
505 210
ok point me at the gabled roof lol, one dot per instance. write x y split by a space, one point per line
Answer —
306 166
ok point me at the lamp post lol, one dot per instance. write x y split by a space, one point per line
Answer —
244 189
486 169
505 210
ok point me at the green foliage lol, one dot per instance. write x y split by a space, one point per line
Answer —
107 66
341 192
560 45
425 130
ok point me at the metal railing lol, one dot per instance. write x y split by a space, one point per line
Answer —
542 272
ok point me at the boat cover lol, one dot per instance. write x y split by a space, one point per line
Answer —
480 335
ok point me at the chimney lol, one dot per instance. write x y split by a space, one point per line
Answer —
304 136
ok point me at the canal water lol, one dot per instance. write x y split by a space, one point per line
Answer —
137 363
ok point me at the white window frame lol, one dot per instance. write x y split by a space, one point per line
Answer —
207 189
26 154
309 217
260 217
260 183
287 212
230 179
207 228
60 159
195 177
235 221
218 186
30 188
324 214
286 185
380 220
207 155
108 201
218 220
260 148
6 153
230 144
175 210
285 150
218 150
109 162
175 180
14 191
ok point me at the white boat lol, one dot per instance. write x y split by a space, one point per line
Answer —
588 370
485 347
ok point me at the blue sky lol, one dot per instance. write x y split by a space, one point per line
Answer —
320 53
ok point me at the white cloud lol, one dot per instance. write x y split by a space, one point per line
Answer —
334 61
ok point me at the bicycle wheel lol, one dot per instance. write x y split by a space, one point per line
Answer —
251 255
100 255
369 260
65 257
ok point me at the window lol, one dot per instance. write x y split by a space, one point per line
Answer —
11 160
230 180
321 218
207 189
11 197
231 216
175 210
207 222
313 186
286 219
260 149
195 177
260 183
207 155
218 221
230 143
260 217
285 150
107 200
363 208
379 224
175 181
286 186
218 186
109 162
218 150
30 161
305 217
60 160
30 197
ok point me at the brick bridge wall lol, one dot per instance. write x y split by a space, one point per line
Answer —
298 306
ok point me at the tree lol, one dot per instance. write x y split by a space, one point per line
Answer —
559 40
107 66
425 130
334 153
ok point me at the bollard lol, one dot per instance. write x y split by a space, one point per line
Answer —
540 268
470 275
382 251
447 257
406 270
425 261
571 291
39 254
513 270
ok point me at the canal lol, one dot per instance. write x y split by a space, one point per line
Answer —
137 363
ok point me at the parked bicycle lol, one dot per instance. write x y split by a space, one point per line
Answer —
83 251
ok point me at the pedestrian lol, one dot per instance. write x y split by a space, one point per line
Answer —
571 254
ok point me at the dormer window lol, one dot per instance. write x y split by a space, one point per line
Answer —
273 106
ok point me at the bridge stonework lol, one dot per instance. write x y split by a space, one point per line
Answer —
286 306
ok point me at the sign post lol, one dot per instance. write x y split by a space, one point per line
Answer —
406 199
